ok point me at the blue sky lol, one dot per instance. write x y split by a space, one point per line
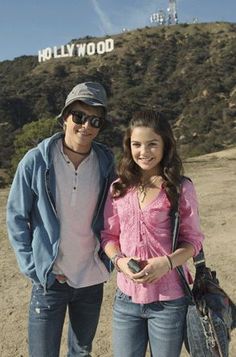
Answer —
27 26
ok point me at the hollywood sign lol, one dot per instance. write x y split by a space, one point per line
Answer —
79 50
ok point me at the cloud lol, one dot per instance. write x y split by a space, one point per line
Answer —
106 26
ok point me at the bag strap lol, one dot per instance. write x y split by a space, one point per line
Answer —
175 232
199 260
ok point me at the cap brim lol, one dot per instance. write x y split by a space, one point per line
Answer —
89 101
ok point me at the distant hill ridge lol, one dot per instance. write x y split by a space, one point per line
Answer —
187 70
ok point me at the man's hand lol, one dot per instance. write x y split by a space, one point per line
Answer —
61 278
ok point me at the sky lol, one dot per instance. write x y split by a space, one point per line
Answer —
27 26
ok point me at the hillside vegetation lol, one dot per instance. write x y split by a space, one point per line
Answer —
187 70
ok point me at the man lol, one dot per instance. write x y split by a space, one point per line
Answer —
54 218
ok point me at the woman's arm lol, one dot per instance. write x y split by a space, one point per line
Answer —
181 255
110 237
189 229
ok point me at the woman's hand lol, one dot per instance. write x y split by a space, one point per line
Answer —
155 269
122 265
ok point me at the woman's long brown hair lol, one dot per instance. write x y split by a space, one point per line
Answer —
129 172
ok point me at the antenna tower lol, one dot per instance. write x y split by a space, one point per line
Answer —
172 13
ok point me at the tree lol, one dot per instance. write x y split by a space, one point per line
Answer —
29 136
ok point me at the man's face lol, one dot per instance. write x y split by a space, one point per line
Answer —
82 134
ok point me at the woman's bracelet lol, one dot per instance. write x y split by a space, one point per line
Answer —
115 259
170 264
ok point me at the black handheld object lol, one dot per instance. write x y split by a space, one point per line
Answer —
134 266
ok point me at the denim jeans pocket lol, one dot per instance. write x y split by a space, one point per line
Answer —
121 296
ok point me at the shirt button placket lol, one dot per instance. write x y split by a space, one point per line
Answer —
75 187
141 229
75 181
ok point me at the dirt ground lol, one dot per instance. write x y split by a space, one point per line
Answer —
214 176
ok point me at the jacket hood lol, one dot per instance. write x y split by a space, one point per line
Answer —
45 146
104 154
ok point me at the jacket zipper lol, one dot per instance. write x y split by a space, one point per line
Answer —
52 203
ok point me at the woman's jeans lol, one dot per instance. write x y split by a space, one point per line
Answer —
47 314
161 323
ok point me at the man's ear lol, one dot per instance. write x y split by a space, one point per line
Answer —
64 123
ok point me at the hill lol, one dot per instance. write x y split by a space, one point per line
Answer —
187 70
214 179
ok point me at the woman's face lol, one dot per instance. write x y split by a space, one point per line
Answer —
147 149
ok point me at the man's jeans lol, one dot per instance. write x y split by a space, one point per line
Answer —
160 323
47 314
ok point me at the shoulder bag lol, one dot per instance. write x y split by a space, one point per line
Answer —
211 314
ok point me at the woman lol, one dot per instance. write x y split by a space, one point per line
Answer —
150 305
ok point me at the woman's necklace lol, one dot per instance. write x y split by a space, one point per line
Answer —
145 186
76 152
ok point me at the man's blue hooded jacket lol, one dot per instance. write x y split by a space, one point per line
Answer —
33 225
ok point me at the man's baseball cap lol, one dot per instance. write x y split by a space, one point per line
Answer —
90 93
